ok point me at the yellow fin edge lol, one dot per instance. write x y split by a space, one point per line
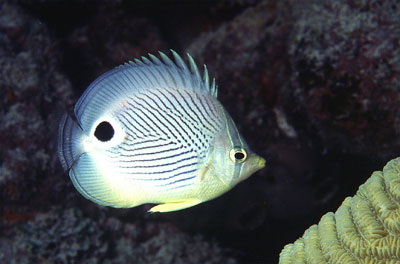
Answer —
175 206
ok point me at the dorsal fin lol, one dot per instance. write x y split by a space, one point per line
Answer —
137 75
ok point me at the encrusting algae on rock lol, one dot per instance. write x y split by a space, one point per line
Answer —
364 229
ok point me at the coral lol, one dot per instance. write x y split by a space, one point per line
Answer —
58 236
346 62
32 91
364 229
65 235
161 243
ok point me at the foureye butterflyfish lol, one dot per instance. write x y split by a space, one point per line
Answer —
153 131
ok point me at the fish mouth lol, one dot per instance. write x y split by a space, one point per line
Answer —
255 163
261 163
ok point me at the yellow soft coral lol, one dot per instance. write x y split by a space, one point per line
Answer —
365 228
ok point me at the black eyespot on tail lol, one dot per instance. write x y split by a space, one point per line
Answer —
104 131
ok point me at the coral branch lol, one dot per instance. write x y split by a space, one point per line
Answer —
364 229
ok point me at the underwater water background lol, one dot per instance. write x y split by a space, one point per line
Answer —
313 87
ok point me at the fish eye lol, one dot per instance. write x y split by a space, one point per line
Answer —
104 131
238 155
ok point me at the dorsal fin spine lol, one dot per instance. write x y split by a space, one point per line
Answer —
176 70
214 88
179 62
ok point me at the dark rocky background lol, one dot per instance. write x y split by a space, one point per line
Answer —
314 86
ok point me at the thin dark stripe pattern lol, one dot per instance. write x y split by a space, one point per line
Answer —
169 133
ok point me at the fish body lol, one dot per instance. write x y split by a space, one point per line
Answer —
153 131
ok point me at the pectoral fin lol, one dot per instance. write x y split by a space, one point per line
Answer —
169 207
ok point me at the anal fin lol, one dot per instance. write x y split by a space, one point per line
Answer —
169 207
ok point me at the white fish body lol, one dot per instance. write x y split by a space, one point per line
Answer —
153 132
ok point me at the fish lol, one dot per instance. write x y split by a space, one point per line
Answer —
152 131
